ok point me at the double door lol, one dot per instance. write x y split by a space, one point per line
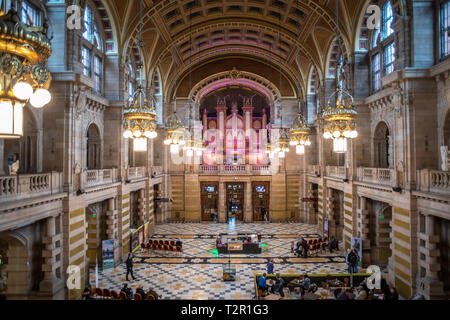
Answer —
210 199
235 200
260 200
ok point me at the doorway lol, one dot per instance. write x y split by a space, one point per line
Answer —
209 197
260 200
235 201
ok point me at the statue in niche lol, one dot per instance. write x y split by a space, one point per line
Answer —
247 101
221 101
400 173
444 158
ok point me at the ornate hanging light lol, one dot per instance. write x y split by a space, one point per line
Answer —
140 117
340 119
175 132
300 135
283 143
24 51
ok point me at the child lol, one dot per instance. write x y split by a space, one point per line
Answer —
292 246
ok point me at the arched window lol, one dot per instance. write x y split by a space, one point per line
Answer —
92 54
382 152
93 152
382 53
312 94
29 12
156 84
132 79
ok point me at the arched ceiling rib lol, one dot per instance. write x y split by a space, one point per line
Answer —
269 30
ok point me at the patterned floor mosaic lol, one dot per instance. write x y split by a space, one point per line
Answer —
196 273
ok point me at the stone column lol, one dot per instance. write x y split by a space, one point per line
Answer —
330 212
222 215
52 248
363 230
309 206
248 216
141 206
432 287
112 226
2 156
248 113
220 137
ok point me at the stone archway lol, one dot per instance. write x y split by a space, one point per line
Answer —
93 148
16 272
382 146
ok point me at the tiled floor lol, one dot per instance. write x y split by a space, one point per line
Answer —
197 272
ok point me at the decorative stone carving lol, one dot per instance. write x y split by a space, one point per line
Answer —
444 158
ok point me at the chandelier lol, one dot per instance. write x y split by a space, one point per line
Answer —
140 117
340 120
300 133
140 120
175 132
24 51
270 151
283 143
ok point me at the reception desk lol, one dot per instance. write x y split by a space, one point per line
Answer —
235 244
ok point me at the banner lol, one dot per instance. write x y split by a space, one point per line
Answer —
108 254
356 243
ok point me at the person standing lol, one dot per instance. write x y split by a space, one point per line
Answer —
14 166
270 267
292 246
352 261
129 264
305 247
262 283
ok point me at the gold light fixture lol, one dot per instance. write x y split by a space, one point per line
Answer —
340 119
283 143
300 133
24 51
140 117
175 132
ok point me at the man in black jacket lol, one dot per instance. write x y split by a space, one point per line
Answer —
130 266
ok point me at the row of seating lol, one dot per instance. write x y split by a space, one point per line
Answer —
163 245
106 293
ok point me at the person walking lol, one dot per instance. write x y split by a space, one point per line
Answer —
305 247
352 261
292 246
270 267
129 264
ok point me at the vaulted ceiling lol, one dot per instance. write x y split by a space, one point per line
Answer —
180 35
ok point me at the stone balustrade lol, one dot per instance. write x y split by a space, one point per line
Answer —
314 169
97 177
135 173
30 185
336 172
157 171
234 169
377 175
433 181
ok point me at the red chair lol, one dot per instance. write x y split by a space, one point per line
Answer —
155 247
150 297
309 242
115 295
166 242
166 247
315 241
99 292
179 249
161 242
106 293
324 246
150 242
123 295
137 296
173 248
172 243
160 246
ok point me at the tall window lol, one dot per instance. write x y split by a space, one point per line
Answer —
30 15
445 28
92 49
376 73
98 70
388 59
387 18
86 57
131 89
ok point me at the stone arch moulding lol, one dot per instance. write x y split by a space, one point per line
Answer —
235 77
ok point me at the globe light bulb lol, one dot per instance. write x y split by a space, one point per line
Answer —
189 153
336 134
127 134
307 143
22 90
174 148
327 135
354 134
167 142
154 134
293 142
147 134
281 154
271 155
40 98
137 133
302 142
347 134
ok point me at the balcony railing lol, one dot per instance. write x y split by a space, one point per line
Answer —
135 173
157 171
314 169
30 185
234 169
336 172
93 178
433 181
377 175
